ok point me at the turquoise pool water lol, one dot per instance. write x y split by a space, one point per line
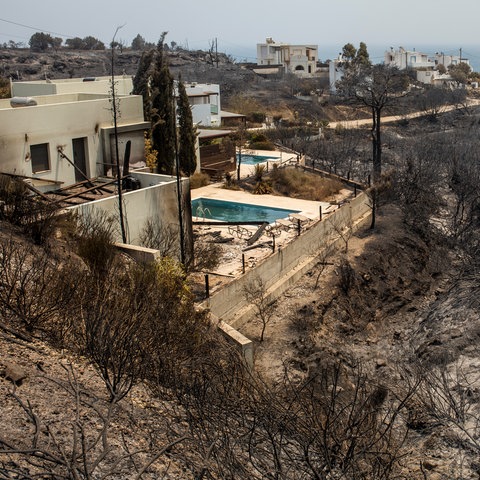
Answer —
225 211
254 159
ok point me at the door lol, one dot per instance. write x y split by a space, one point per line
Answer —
79 159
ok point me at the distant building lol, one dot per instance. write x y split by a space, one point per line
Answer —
204 100
335 72
403 59
447 60
426 68
298 59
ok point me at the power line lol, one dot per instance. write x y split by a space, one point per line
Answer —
34 28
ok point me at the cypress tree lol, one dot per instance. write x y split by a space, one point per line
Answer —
163 112
142 79
187 135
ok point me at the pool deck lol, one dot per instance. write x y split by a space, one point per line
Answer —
307 208
284 230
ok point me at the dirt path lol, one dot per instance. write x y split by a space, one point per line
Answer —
394 118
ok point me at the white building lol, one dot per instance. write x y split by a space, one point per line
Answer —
447 60
335 72
123 86
57 140
403 59
298 59
204 99
76 125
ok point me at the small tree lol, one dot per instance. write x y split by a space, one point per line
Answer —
138 43
92 43
256 295
39 42
460 72
75 43
187 134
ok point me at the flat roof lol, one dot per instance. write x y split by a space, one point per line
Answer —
204 133
225 114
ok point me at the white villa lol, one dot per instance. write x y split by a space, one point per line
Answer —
204 99
298 59
426 67
58 140
403 59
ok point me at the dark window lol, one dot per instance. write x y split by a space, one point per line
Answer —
39 155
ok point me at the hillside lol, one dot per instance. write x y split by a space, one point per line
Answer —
242 90
369 367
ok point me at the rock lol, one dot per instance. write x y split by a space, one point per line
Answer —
380 362
429 465
14 373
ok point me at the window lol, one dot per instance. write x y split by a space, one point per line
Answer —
39 157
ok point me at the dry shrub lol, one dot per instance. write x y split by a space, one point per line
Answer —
161 237
34 291
347 274
35 217
207 255
198 180
296 183
95 245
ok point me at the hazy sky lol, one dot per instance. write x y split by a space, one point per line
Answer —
240 25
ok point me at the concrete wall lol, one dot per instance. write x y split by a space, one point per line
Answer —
285 266
57 120
123 86
156 201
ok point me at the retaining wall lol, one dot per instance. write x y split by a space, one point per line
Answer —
284 267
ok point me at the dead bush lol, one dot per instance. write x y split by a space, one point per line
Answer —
198 180
95 243
33 215
346 279
256 295
161 237
34 290
306 319
296 183
207 255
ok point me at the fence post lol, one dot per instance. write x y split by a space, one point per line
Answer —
320 209
243 263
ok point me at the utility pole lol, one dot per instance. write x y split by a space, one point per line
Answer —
115 130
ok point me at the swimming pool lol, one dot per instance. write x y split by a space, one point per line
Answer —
254 159
225 211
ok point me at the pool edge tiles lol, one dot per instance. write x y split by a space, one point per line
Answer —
230 211
249 159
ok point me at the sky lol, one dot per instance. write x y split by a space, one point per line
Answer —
237 26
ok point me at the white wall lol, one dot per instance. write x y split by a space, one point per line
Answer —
123 86
156 200
57 120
